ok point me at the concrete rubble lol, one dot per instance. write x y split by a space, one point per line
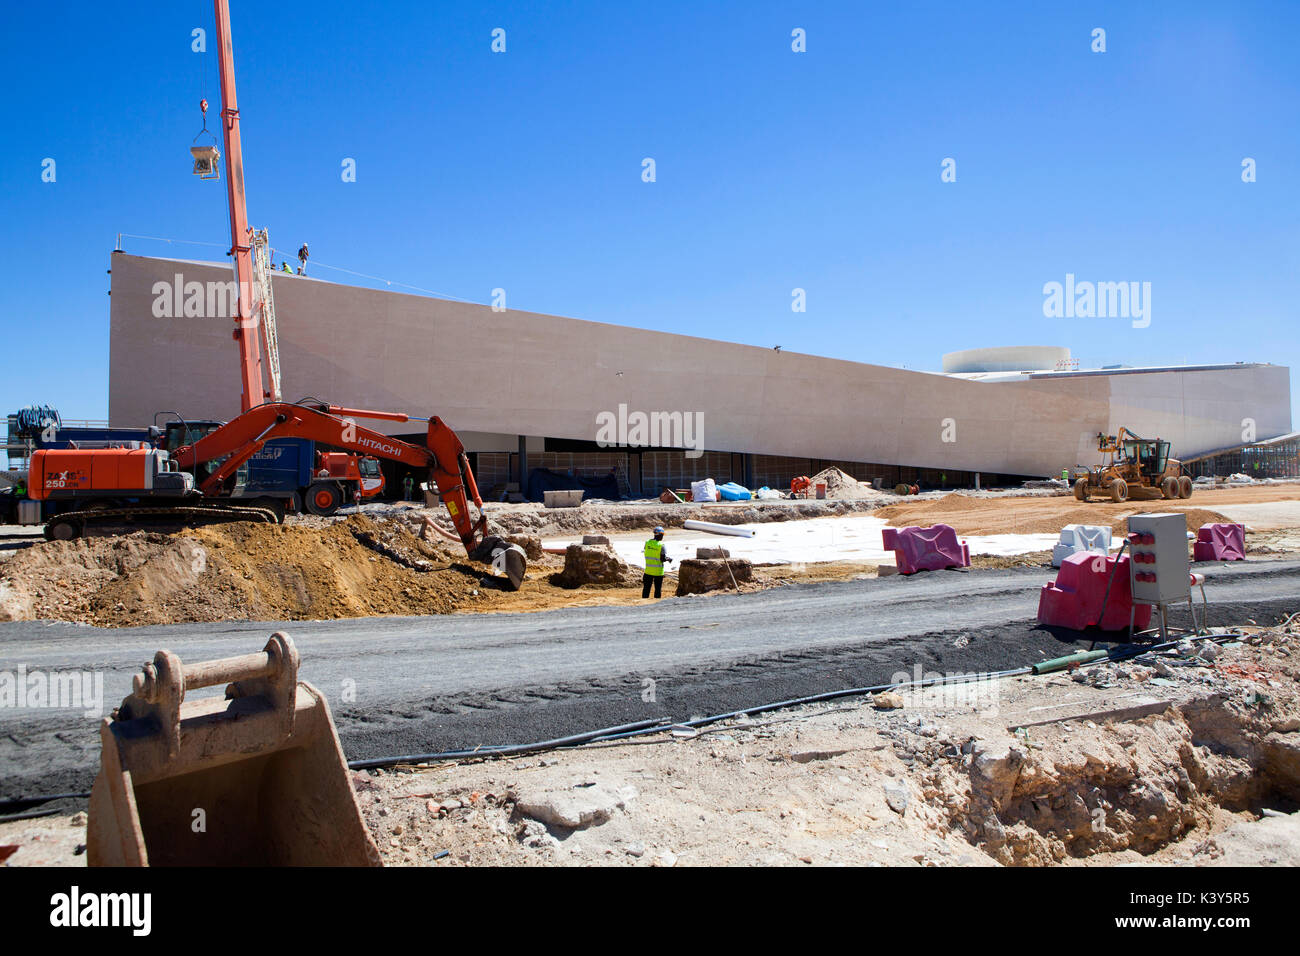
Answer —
717 574
1195 784
594 564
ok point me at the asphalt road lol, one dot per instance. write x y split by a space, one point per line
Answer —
445 682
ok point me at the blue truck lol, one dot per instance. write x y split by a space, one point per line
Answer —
287 475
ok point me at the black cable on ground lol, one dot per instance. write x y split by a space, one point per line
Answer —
25 802
1117 652
645 727
506 750
29 815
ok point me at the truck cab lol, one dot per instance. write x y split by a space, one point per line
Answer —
291 472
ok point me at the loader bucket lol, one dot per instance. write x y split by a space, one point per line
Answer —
256 779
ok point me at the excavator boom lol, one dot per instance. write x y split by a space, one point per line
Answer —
443 456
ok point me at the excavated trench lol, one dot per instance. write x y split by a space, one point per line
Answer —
1054 793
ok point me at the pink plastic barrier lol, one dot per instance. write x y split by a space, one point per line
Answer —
1074 599
926 549
1220 542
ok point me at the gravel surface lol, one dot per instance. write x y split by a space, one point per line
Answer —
436 683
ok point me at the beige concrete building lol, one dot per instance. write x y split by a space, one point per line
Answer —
559 388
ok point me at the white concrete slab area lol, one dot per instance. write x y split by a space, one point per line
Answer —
850 538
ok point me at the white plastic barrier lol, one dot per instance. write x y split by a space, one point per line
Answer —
1081 537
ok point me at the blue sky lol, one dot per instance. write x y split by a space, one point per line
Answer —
775 170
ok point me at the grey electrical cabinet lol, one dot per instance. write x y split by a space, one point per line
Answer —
1159 568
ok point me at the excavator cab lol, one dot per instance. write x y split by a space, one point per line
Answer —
178 434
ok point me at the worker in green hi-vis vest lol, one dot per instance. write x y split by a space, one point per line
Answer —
655 559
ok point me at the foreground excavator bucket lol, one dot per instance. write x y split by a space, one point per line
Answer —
257 779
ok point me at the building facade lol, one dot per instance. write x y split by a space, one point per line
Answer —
571 393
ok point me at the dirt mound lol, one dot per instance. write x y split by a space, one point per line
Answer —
598 518
63 579
969 515
241 571
840 484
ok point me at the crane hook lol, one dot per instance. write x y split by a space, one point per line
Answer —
206 158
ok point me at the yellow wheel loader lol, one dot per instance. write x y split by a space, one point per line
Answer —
1135 467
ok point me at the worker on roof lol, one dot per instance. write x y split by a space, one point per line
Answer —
302 260
284 267
655 559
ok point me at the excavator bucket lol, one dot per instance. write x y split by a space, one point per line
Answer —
511 561
256 779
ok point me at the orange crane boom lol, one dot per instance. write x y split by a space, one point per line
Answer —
249 331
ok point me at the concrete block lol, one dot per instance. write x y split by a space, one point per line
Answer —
1081 537
567 498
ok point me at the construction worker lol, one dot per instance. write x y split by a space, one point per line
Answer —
284 267
655 559
302 260
408 483
1065 474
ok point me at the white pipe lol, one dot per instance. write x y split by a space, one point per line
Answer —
713 528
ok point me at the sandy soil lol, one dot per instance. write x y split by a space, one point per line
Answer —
353 567
374 564
970 515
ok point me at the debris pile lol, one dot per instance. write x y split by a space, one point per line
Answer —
840 484
933 778
695 576
596 518
242 571
594 564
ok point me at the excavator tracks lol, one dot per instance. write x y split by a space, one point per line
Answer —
73 524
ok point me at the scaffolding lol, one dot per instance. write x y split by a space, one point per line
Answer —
1273 458
264 308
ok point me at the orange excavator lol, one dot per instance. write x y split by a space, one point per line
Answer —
115 486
